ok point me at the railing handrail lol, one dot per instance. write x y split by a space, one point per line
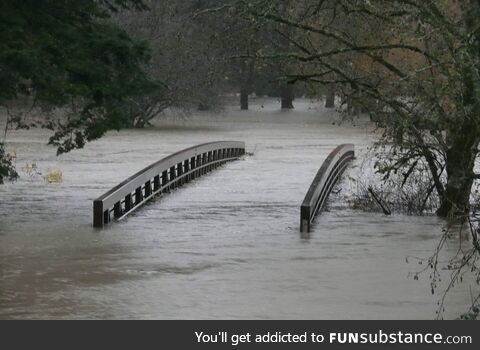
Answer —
331 169
166 163
132 183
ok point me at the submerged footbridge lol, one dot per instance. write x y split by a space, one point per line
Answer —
182 167
161 177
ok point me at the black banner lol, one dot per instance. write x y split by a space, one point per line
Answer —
240 334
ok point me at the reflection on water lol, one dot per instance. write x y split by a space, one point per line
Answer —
225 246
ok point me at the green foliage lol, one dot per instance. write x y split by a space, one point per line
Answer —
67 54
7 168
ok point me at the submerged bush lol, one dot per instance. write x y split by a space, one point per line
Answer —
412 192
7 165
415 199
55 176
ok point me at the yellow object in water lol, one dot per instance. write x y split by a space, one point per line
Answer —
53 176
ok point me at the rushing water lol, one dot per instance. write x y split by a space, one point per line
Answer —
224 246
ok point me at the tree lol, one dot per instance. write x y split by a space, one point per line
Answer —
184 54
239 44
67 54
413 64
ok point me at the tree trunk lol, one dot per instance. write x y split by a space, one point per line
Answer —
460 162
247 72
463 140
243 99
287 96
330 98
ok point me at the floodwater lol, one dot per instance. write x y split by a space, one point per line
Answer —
224 246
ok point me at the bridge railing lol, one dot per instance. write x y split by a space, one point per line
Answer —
331 169
162 176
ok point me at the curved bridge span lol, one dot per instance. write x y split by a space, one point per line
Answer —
328 174
161 177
